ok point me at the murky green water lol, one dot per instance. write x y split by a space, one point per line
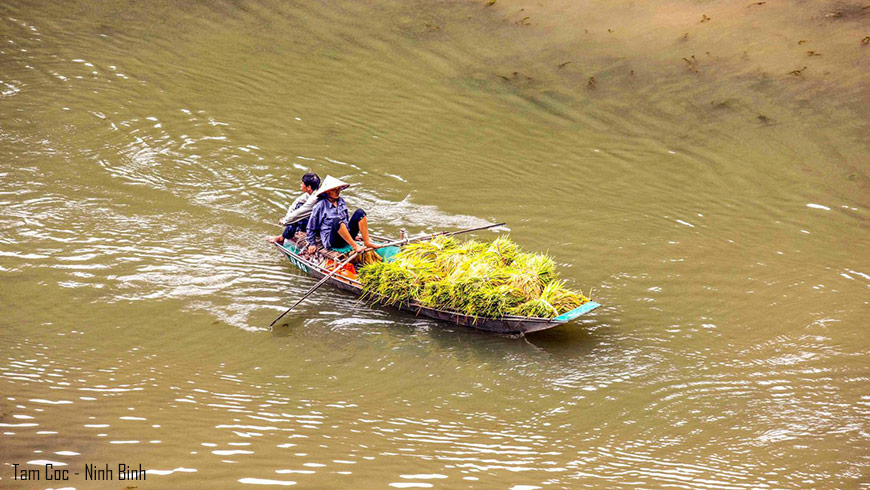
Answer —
717 204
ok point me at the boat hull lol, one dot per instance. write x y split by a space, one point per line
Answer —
504 325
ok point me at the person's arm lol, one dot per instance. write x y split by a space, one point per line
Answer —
302 211
288 218
314 227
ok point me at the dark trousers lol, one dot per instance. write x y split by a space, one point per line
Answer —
292 228
336 240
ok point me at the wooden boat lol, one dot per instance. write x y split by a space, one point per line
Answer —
322 263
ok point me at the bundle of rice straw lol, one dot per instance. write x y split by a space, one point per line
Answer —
479 279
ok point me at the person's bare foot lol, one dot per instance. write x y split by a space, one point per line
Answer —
275 239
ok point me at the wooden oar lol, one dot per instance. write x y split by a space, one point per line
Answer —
388 244
314 288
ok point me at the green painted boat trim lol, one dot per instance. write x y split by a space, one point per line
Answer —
584 308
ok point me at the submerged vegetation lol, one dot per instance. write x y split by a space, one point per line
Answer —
471 277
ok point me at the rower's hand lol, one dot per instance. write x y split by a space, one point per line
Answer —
311 249
358 248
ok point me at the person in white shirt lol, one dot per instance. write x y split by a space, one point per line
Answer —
297 215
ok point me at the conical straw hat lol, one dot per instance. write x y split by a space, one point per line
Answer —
331 182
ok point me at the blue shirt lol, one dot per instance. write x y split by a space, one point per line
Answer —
322 218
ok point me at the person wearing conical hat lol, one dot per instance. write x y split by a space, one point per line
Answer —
297 215
331 222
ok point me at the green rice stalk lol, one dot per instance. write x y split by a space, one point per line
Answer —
541 265
526 282
504 250
537 308
472 247
484 301
560 298
397 284
427 250
417 251
422 268
370 278
513 297
437 293
445 242
474 278
452 258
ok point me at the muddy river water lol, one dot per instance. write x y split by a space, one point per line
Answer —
701 167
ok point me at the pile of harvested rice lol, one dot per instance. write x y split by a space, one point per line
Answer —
474 278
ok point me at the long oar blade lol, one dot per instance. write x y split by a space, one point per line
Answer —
314 288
